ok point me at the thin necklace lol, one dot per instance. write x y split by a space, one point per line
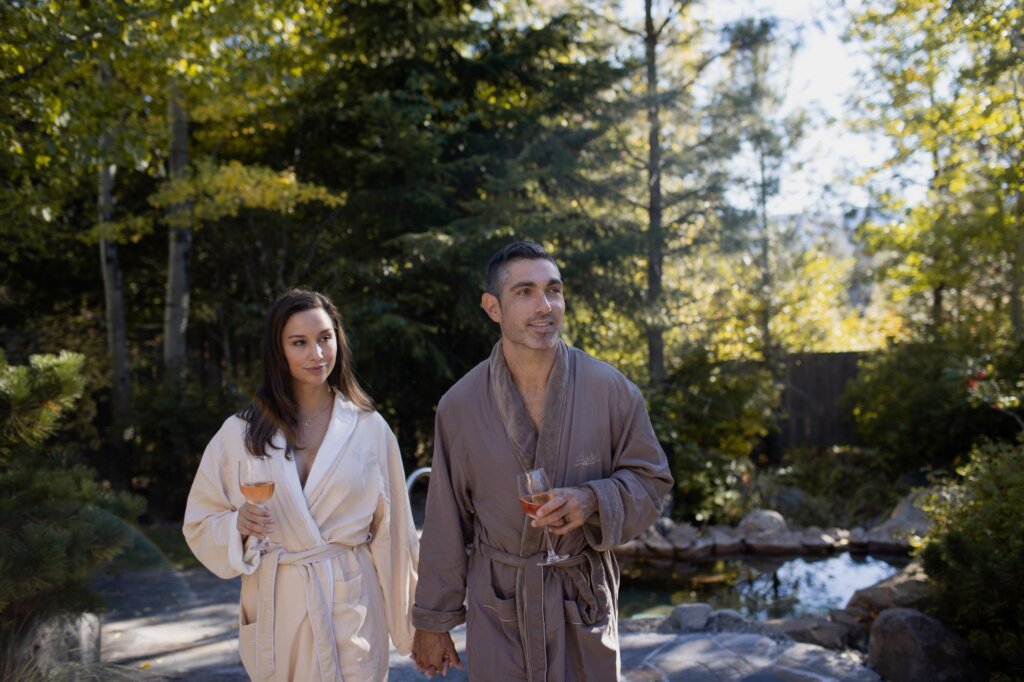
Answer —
307 420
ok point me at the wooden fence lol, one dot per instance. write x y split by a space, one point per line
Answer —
814 384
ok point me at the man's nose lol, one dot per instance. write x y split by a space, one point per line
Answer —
543 304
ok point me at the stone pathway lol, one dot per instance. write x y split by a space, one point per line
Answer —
183 625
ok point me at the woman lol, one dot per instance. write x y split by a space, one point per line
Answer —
321 604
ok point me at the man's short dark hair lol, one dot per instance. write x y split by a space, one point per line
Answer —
522 250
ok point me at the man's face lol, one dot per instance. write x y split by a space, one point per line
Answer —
530 308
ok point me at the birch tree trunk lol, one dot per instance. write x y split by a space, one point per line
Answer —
179 245
113 306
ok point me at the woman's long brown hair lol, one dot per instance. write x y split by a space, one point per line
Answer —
273 406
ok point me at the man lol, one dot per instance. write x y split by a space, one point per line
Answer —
535 402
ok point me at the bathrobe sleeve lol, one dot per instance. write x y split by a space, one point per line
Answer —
395 547
211 513
629 500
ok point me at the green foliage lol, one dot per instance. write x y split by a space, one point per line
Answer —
170 440
905 405
55 522
975 555
838 486
709 419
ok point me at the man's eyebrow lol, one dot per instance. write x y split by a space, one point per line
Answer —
528 283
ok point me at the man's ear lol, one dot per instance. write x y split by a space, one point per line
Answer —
489 302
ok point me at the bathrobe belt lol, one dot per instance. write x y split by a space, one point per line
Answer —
530 599
318 606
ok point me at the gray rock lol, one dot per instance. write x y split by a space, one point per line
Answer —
690 617
780 543
817 541
631 548
658 546
724 619
699 549
909 646
726 542
857 540
682 534
908 588
763 521
664 525
820 631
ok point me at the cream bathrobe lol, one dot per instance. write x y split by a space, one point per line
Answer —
322 606
524 622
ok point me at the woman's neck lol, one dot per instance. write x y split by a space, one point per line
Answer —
312 398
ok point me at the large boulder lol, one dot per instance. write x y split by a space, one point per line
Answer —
909 646
763 521
819 631
909 588
689 617
906 521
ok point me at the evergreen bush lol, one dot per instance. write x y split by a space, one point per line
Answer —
710 418
975 555
57 523
906 406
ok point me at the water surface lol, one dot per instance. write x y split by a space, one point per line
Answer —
758 587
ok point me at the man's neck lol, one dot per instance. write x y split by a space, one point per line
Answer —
529 368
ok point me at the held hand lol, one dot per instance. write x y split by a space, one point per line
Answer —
254 520
567 509
434 652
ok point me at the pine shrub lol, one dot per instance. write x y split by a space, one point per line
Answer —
975 555
56 525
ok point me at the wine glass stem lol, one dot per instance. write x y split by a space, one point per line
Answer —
551 547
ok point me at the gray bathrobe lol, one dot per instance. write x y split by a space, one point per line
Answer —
525 622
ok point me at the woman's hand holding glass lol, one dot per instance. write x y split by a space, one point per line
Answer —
256 483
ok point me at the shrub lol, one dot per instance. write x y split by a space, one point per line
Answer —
55 522
905 405
975 555
710 418
840 486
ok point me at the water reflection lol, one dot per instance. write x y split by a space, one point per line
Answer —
757 587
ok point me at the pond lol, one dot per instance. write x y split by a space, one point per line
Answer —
758 587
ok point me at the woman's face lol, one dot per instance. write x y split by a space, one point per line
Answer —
310 347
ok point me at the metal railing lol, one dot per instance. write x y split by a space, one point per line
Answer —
422 471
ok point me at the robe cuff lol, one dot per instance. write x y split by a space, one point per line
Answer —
243 559
437 621
603 530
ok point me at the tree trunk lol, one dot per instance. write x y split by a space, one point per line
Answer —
179 245
655 237
937 308
114 314
1017 283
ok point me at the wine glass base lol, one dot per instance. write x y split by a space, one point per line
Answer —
552 559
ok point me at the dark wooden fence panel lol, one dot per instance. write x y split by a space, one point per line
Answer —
810 400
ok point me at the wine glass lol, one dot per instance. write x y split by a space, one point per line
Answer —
257 485
534 492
